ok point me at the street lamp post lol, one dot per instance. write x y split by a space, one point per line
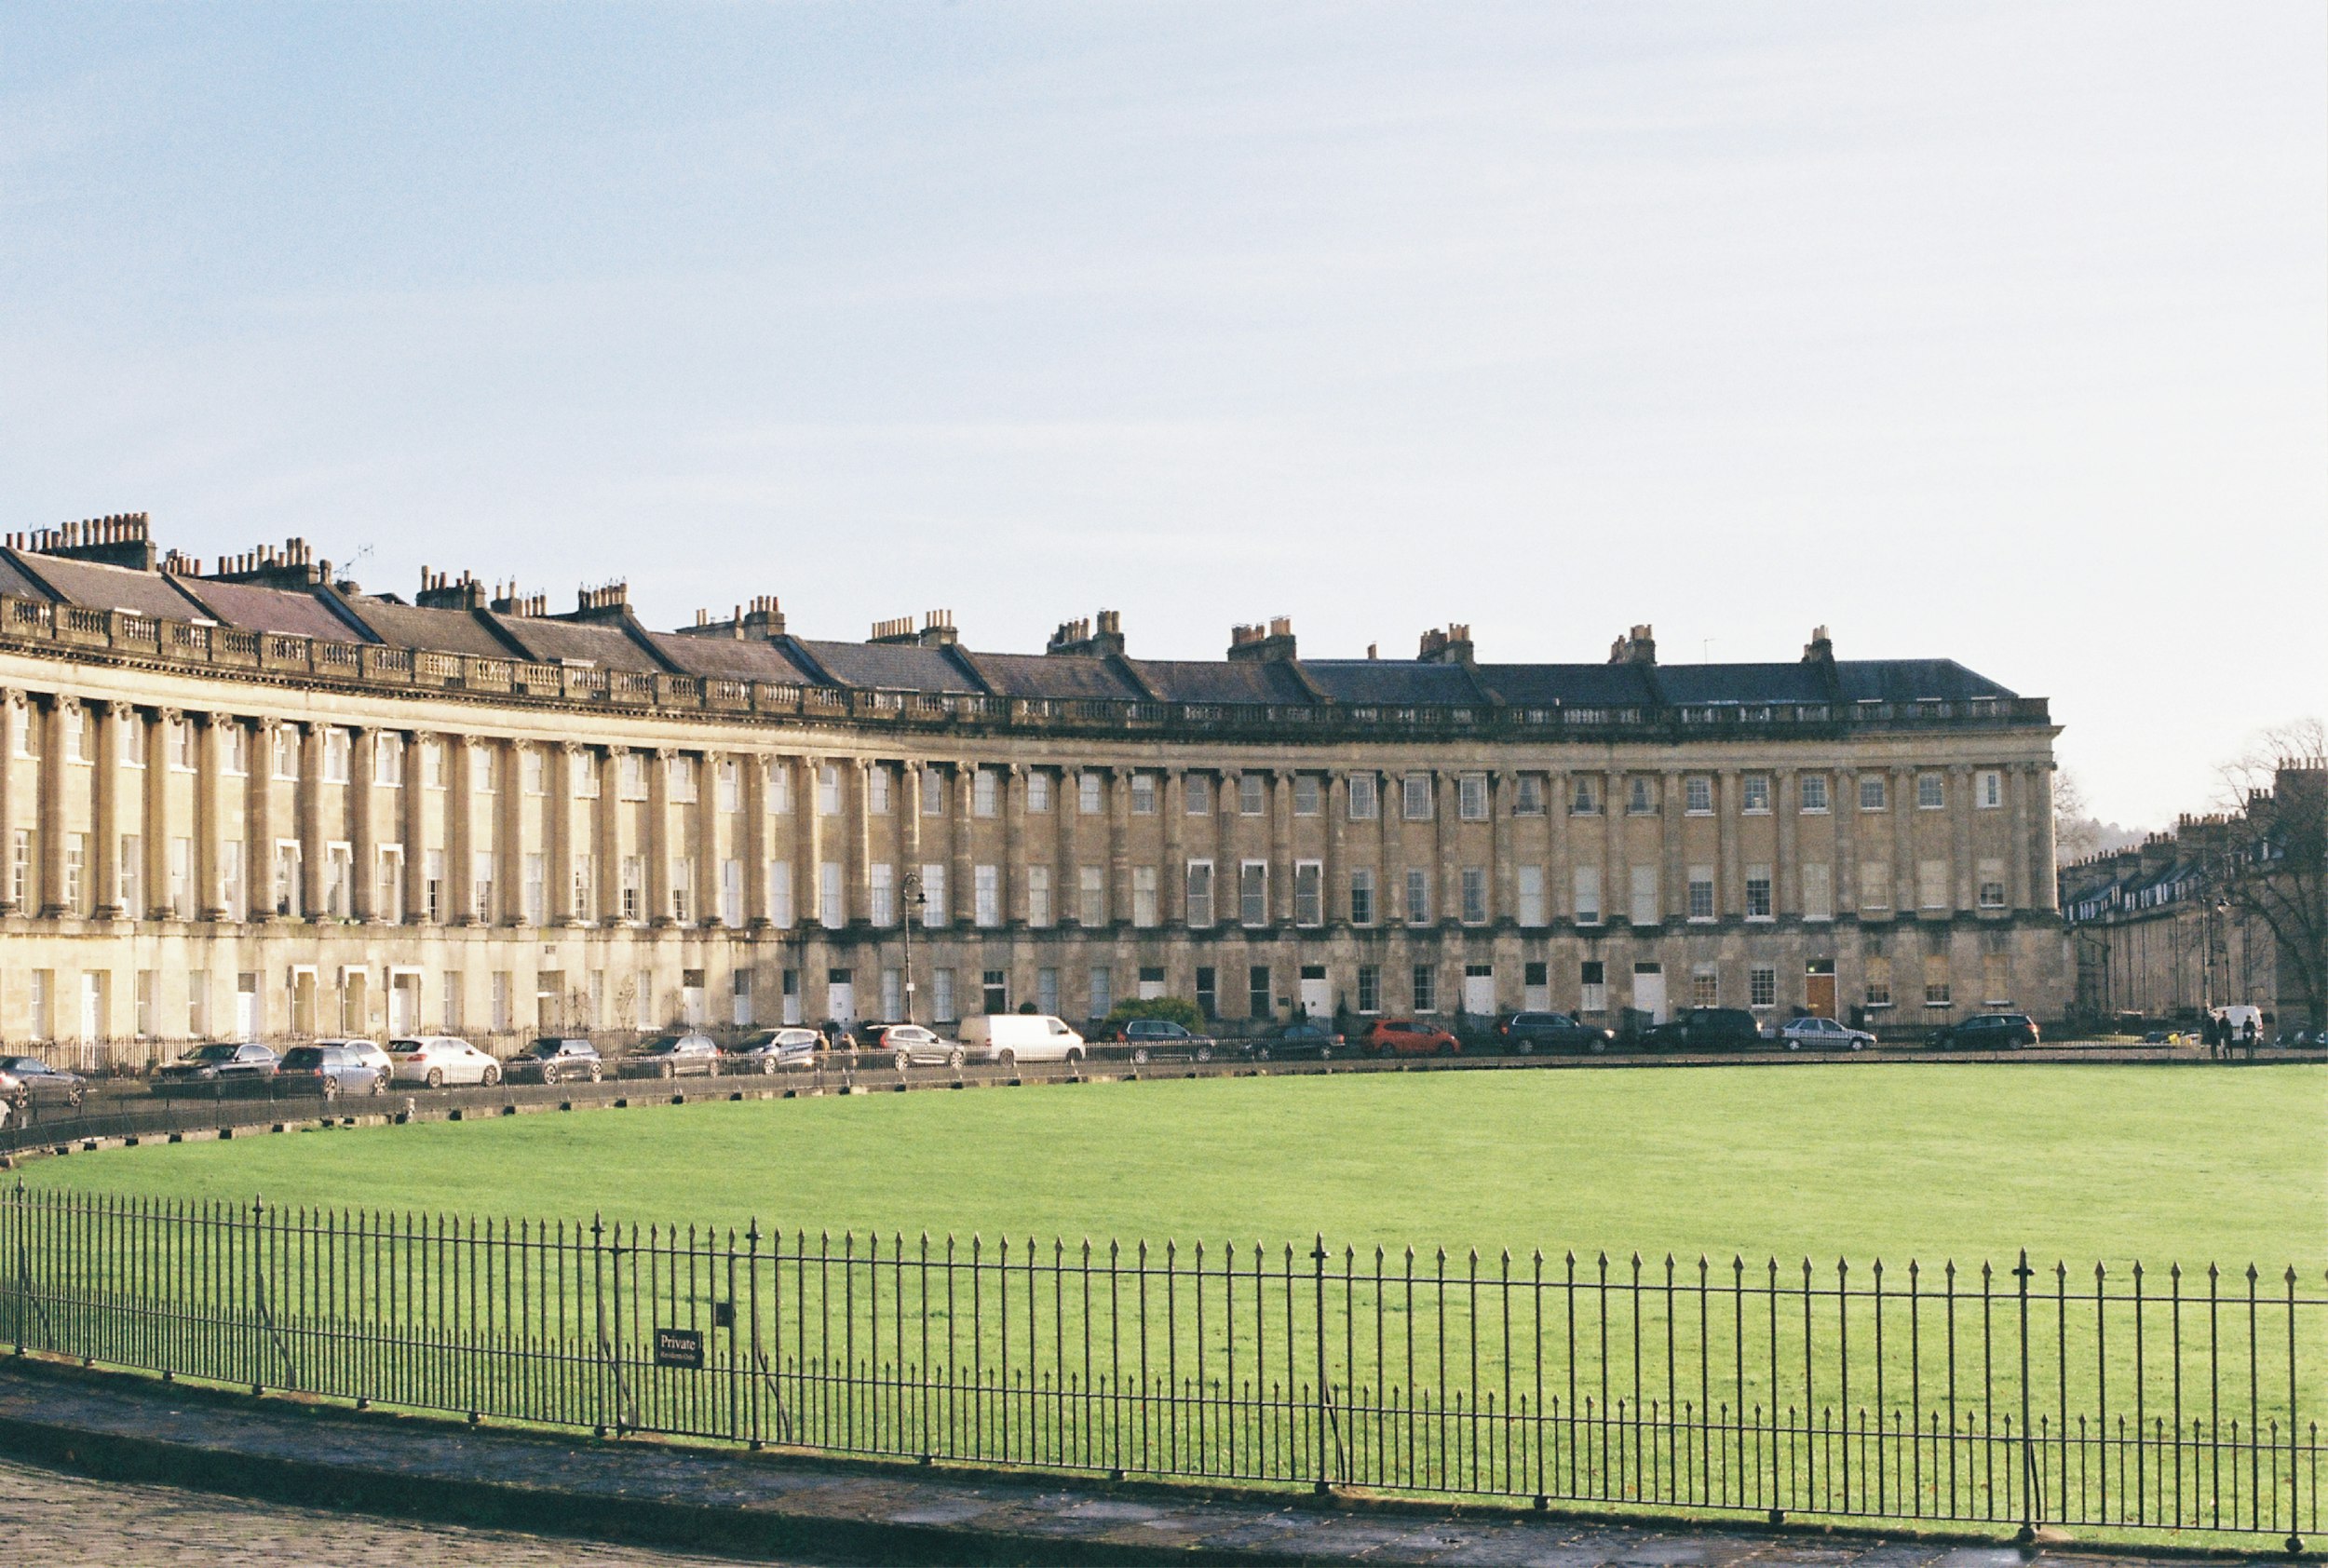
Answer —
909 906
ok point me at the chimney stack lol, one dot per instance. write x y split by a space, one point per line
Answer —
1274 642
1638 647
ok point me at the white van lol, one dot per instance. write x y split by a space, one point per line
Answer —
2240 1015
1014 1037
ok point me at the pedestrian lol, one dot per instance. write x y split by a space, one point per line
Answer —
2250 1033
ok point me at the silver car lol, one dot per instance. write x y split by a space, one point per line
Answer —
909 1043
1821 1034
776 1050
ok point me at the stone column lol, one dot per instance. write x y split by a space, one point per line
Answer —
363 748
1118 846
308 795
1788 873
52 784
558 771
707 815
755 850
2022 861
1336 892
209 821
258 849
1013 877
2041 855
1390 821
1904 891
808 833
1960 868
1282 846
1502 893
1561 876
1227 906
1730 804
156 814
962 894
1446 823
12 714
609 825
910 833
460 827
104 865
1673 851
1616 882
657 840
1843 814
1173 877
414 813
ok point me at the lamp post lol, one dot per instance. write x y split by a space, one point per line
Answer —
911 906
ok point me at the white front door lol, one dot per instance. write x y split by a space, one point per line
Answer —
840 998
93 1006
403 1005
246 1006
1317 992
1479 993
1648 990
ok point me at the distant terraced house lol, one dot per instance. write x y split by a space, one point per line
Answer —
257 801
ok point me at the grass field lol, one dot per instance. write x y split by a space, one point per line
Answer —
2080 1163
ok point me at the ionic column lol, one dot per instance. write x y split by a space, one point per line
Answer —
1011 871
558 767
460 827
363 749
308 803
2022 861
258 849
910 833
1228 795
104 813
1282 846
1390 822
510 837
608 891
809 828
962 834
2048 888
1729 802
12 714
1558 796
415 813
52 778
1118 846
1616 881
657 844
1068 880
1502 894
1336 891
1843 816
707 815
1447 824
857 776
755 766
1674 884
209 817
156 814
1173 876
1783 803
1961 834
1905 894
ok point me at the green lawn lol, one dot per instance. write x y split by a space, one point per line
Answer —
2073 1162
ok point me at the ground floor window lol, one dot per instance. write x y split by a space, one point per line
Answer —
1762 985
1426 988
1592 986
996 989
1705 986
1208 991
1369 989
1258 1000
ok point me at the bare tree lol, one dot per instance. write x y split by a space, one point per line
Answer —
2076 836
2274 867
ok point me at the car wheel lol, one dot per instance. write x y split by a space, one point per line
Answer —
1074 1057
492 1076
903 1060
670 1070
1446 1047
1793 1044
1140 1057
1324 1051
1204 1053
954 1059
1527 1046
1858 1044
767 1066
1006 1058
436 1078
1596 1047
76 1097
331 1089
379 1084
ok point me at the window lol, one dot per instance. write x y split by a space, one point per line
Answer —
501 1001
985 791
633 886
1528 797
1251 794
1758 893
987 894
1757 794
388 759
1701 892
197 1003
1038 803
1416 795
1252 893
1640 800
285 749
1038 898
1588 895
941 995
731 784
882 889
1200 893
1988 790
1762 985
934 907
1592 987
1309 893
1996 980
234 750
1143 899
1426 988
682 778
933 792
1992 885
1208 991
1931 792
1092 896
1418 897
1585 800
1818 891
21 724
1362 896
739 992
1308 794
1090 798
584 893
76 728
75 861
1871 791
1645 896
1471 797
1195 795
831 911
1047 991
829 790
1812 787
485 767
1369 988
128 875
1259 994
582 774
537 890
1531 891
1878 974
780 910
1103 992
1936 980
335 752
1365 802
21 870
1144 795
995 987
1474 895
1698 797
1875 885
178 745
1931 885
630 776
1705 986
181 876
683 890
286 879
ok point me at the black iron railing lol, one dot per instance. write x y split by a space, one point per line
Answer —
2120 1399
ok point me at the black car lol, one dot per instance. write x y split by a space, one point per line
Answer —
554 1062
674 1055
1703 1029
329 1071
1154 1039
1528 1032
1304 1036
217 1067
1988 1032
27 1080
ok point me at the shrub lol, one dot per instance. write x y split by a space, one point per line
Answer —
1176 1009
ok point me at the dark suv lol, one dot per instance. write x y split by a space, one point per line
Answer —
1161 1039
1707 1029
1988 1032
551 1061
1529 1033
329 1071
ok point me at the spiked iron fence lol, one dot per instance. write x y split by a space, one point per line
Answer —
2119 1399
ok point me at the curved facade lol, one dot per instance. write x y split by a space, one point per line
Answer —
257 801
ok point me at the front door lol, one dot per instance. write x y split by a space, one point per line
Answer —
1316 993
403 1005
840 997
1648 990
246 1006
1819 986
1479 990
92 1007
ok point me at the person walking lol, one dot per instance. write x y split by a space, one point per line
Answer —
2248 1037
2211 1034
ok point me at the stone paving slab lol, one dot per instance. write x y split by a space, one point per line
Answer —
768 1506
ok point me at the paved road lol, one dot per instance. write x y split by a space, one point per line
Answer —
64 1521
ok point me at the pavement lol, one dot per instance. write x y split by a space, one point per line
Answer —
138 1456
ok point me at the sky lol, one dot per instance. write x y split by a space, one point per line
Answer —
1991 332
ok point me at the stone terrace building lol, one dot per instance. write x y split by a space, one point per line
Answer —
255 800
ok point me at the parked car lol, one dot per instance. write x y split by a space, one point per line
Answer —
438 1059
909 1043
1303 1036
773 1050
1989 1031
1406 1036
674 1055
1706 1029
1011 1038
553 1060
330 1069
1529 1033
27 1080
216 1067
1151 1039
1821 1034
370 1051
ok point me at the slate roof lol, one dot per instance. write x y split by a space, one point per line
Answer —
250 607
730 658
441 632
1569 686
1912 680
599 643
1055 675
1398 682
95 587
1229 681
891 666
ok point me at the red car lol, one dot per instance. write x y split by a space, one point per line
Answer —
1404 1036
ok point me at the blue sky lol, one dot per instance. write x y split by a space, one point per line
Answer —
1992 331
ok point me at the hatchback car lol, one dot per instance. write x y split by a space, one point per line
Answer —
908 1044
28 1080
674 1056
1529 1033
216 1067
1821 1034
1988 1032
330 1069
1404 1036
438 1059
1150 1039
1707 1029
555 1061
1303 1036
774 1050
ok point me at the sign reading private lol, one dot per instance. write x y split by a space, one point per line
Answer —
679 1347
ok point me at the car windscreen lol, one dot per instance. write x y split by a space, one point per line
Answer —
212 1053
